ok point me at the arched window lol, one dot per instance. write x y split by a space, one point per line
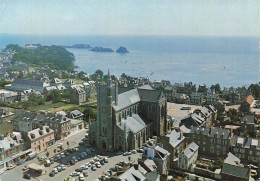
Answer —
123 114
119 117
153 108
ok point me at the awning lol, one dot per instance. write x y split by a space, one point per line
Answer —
22 153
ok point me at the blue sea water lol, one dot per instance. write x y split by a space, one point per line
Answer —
229 61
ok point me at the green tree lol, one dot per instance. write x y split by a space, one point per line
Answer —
68 143
54 95
65 94
100 72
54 150
90 112
47 154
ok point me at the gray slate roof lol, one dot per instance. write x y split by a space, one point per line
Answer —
28 82
144 93
249 119
237 171
246 142
220 133
133 123
191 149
175 138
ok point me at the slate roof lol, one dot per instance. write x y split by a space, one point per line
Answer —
190 150
28 82
76 113
232 159
150 165
55 118
126 99
200 130
249 119
38 133
196 94
144 93
132 174
56 81
175 138
220 133
246 142
236 171
133 123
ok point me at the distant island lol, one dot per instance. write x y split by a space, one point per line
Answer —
122 50
81 46
101 49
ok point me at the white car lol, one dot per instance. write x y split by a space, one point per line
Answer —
98 164
63 167
106 160
81 177
55 170
133 151
75 174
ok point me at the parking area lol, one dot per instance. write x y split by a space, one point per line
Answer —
81 153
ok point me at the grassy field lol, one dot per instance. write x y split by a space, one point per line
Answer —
47 106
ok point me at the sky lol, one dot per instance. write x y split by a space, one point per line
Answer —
131 17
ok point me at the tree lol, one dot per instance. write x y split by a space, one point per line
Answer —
90 112
54 150
68 144
54 95
47 154
100 72
65 94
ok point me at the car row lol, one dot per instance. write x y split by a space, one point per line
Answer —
57 169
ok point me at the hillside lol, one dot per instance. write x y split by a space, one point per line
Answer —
53 56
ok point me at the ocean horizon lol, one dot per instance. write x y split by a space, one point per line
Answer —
229 61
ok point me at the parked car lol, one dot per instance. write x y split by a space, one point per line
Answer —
98 164
63 167
133 151
59 168
85 173
94 168
58 157
43 158
79 169
127 153
20 162
25 167
75 174
55 170
119 153
72 162
27 176
92 149
52 174
81 177
11 167
106 160
62 155
67 153
52 160
141 150
81 143
102 162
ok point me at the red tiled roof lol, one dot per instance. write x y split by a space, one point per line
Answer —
249 99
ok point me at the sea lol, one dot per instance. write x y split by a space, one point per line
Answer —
229 61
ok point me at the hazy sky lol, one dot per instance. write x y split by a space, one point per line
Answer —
131 17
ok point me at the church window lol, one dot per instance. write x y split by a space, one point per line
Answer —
119 117
128 112
153 108
123 114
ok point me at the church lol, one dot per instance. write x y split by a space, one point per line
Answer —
125 121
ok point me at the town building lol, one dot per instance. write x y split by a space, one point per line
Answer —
174 143
246 103
22 84
249 125
125 121
211 98
196 98
40 139
211 141
77 95
188 156
246 148
161 158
